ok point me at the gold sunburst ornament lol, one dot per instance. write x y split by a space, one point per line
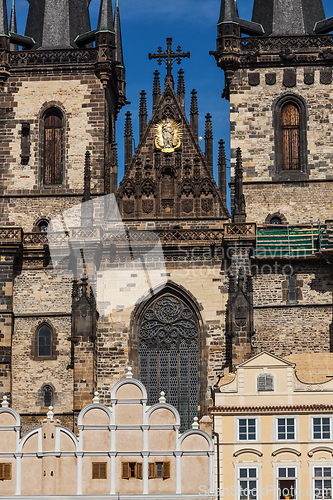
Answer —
168 135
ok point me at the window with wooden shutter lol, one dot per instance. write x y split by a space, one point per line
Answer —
290 120
166 470
125 470
139 471
265 382
5 472
151 470
99 470
53 125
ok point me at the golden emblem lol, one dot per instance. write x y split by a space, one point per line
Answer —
168 135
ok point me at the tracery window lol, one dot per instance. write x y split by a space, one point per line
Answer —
52 171
290 121
168 337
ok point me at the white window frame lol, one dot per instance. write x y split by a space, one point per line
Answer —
276 432
320 440
289 465
238 479
257 429
320 465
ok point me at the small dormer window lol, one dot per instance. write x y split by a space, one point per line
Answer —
265 382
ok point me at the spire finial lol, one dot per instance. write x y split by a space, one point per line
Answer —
5 403
194 113
3 18
169 56
105 19
143 113
156 89
195 424
96 398
288 17
129 373
117 30
222 166
50 414
128 140
162 398
181 88
238 212
209 143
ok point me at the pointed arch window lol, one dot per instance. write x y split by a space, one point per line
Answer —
290 124
47 396
290 121
168 347
53 138
44 341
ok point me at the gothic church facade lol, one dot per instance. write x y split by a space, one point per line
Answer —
165 280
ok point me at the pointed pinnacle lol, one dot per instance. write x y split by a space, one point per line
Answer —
222 161
143 104
194 103
181 82
105 20
128 124
3 18
117 30
208 127
239 164
156 84
13 24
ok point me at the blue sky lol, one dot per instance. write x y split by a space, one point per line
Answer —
192 24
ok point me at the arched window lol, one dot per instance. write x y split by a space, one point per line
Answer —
42 226
275 220
53 131
290 125
290 122
168 346
44 341
47 396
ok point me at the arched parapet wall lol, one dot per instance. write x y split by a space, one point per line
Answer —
196 432
162 406
14 414
129 381
94 406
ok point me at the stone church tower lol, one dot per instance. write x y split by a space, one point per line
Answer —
278 82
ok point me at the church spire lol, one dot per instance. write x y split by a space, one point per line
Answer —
288 17
194 113
209 143
105 20
128 141
143 115
156 89
181 88
117 29
229 14
56 24
238 212
13 25
222 164
3 18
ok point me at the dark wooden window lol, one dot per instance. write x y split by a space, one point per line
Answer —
53 125
5 472
99 470
292 289
131 469
159 470
290 121
48 395
44 341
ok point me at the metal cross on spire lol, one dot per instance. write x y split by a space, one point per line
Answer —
169 56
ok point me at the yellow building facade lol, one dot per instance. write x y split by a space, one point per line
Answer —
274 432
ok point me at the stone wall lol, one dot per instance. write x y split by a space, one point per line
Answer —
252 129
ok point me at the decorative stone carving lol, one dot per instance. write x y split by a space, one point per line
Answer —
207 204
270 78
187 205
289 77
147 206
128 206
326 76
254 79
309 77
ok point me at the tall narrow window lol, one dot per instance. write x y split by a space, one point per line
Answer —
44 341
168 339
48 395
53 148
290 121
292 289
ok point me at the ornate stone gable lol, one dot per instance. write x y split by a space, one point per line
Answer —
168 176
